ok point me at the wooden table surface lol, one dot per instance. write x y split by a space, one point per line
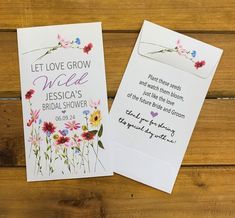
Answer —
205 186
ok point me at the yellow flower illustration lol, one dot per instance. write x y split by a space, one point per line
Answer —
95 118
55 136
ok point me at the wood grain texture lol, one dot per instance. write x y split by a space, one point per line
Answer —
212 143
198 192
126 15
118 47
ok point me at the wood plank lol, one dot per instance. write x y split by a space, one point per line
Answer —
212 141
118 47
198 192
121 15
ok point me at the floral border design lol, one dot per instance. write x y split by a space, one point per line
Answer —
71 145
180 50
63 43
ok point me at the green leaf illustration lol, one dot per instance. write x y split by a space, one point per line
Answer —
93 132
100 130
100 144
46 156
77 149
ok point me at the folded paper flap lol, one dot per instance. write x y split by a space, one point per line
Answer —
144 168
177 50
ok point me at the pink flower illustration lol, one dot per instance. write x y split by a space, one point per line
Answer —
94 104
34 116
72 125
77 139
180 48
34 140
63 42
69 144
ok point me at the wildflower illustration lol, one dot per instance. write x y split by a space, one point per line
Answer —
49 128
181 51
34 139
76 145
62 43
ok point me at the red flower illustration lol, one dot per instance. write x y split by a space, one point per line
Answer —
48 127
62 140
87 48
88 136
29 94
199 64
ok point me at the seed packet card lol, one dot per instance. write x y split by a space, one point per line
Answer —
64 101
158 103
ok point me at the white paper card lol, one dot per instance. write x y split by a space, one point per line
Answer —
158 103
64 101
